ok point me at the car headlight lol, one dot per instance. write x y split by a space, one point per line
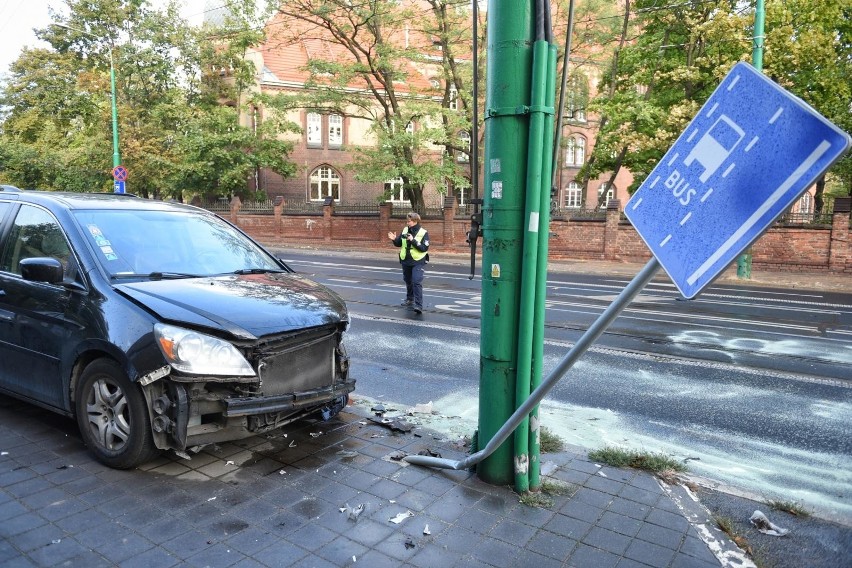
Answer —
199 354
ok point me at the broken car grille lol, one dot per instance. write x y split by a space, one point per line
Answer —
299 367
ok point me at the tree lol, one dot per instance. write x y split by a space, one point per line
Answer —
170 80
369 62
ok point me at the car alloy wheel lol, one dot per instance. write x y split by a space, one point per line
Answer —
113 416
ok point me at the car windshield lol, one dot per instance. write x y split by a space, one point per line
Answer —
169 244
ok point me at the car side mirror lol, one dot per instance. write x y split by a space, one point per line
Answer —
42 269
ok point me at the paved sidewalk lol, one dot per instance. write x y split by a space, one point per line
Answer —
277 500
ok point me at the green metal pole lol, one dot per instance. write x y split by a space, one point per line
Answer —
744 260
531 218
509 63
547 166
116 158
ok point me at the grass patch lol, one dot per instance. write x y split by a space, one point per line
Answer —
550 442
544 498
621 457
537 499
792 507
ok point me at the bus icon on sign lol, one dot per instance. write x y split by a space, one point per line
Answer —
715 146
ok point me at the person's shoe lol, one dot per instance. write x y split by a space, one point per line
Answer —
407 303
417 310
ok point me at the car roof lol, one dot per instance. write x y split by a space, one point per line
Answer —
72 200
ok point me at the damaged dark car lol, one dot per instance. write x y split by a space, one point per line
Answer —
159 326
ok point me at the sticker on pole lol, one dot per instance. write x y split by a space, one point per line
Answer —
747 156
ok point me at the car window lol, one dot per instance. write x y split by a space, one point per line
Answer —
36 233
137 242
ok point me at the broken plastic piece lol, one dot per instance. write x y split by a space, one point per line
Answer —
409 543
401 517
429 452
764 525
396 425
292 444
316 434
426 530
352 513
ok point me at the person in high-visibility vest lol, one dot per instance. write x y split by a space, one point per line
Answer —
413 243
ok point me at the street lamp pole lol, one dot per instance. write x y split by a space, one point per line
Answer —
116 157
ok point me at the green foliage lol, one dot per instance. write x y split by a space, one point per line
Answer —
621 457
175 135
657 81
366 63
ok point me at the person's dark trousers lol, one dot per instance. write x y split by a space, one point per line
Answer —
413 276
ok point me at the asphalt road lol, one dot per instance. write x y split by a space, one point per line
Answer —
750 386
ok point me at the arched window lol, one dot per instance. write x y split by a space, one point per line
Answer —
806 204
325 183
575 151
573 196
610 193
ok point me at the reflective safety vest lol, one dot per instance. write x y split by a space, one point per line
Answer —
415 253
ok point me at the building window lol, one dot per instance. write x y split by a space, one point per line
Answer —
573 196
806 204
578 96
335 130
395 191
610 193
462 192
575 151
454 98
314 129
325 183
463 156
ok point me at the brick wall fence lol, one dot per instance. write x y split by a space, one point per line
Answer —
792 248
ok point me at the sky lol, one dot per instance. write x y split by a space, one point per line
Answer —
18 18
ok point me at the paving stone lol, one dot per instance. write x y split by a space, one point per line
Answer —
661 536
577 509
685 561
607 540
217 556
154 558
697 548
21 524
528 559
477 521
551 545
37 537
56 551
496 553
604 485
585 556
619 523
649 553
432 554
667 520
639 495
512 532
458 539
281 553
630 509
566 526
341 550
593 497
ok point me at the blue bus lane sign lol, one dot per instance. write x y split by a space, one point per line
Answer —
747 156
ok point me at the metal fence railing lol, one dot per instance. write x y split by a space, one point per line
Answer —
809 219
217 205
366 209
263 207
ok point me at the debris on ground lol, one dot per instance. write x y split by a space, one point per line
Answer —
379 409
409 543
345 454
429 452
764 525
548 468
396 425
397 456
352 513
425 408
315 434
426 530
401 517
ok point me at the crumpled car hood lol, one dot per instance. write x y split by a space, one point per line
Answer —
246 306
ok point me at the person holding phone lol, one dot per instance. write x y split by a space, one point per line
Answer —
413 243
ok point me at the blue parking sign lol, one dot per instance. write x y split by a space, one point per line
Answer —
746 157
118 186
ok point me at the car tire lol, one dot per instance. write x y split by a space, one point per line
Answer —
113 417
